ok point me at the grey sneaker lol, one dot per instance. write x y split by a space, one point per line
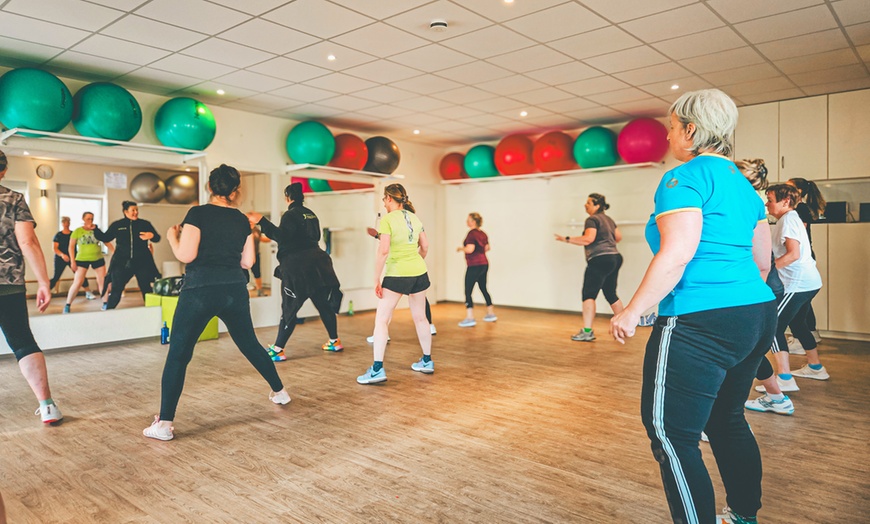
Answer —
490 318
50 413
765 403
468 322
584 336
156 432
90 296
424 367
808 372
786 386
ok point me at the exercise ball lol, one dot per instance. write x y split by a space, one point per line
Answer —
34 99
384 155
185 123
643 140
147 187
553 152
306 187
479 162
350 152
181 189
106 110
318 185
513 155
310 142
596 147
452 166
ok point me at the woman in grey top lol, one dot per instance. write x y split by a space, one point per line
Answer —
603 261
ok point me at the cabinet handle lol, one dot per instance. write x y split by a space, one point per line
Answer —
783 163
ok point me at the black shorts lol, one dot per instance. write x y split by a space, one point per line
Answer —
407 285
94 264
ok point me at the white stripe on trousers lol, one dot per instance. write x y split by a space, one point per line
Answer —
774 348
659 423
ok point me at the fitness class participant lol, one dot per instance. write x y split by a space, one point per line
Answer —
85 252
475 246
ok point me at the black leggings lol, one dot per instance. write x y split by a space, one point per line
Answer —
602 273
196 307
791 309
121 275
16 326
59 265
320 299
475 275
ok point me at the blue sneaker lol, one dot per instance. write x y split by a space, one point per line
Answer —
468 322
424 367
372 377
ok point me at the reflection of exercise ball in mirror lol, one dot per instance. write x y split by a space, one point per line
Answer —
147 188
181 189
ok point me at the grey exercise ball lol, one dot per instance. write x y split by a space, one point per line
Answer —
147 188
181 189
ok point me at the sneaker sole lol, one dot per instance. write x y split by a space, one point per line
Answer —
279 403
762 410
156 437
53 421
493 320
371 381
336 350
467 325
425 371
761 389
582 339
814 377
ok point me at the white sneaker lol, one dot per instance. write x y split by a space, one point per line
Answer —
371 339
468 322
808 372
704 437
765 403
432 329
281 397
795 347
90 296
50 413
490 317
786 386
156 432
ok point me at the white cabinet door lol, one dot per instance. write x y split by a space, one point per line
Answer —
848 278
757 136
849 118
803 138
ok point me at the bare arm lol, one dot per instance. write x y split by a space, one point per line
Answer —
380 262
29 244
249 253
792 253
761 248
617 235
587 238
680 236
467 248
72 254
184 242
423 244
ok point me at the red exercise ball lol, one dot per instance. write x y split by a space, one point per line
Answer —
350 152
453 166
338 185
554 151
306 187
513 155
643 140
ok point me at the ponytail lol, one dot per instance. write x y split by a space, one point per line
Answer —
397 192
810 192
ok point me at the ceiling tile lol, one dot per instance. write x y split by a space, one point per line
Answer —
29 52
382 8
499 105
826 76
240 105
500 11
485 120
149 32
713 41
252 7
421 119
543 95
852 12
340 83
384 94
303 93
347 103
491 41
344 56
229 53
463 95
252 81
803 64
553 122
423 103
772 96
665 89
695 18
794 23
651 107
323 19
731 59
510 85
557 22
448 125
382 71
272 102
618 96
458 112
864 51
594 85
804 45
859 33
123 5
189 66
758 86
287 69
627 59
564 73
432 58
207 92
594 43
311 111
426 84
622 10
741 74
649 75
385 111
735 11
75 13
156 77
530 59
112 48
569 105
198 15
836 87
380 40
30 30
459 20
598 116
475 73
268 36
79 63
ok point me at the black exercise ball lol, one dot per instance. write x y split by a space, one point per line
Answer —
383 155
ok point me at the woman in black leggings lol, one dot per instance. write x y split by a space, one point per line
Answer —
603 261
305 270
475 247
215 242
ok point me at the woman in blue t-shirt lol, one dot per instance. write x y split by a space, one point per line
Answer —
717 318
216 243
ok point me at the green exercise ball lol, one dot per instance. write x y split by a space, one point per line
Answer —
310 143
319 186
596 147
106 110
34 99
185 123
480 162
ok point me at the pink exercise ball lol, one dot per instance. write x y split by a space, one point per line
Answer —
643 140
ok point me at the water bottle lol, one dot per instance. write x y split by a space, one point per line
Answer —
350 308
164 334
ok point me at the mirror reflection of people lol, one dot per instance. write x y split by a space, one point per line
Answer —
18 241
475 246
60 247
259 238
132 256
85 252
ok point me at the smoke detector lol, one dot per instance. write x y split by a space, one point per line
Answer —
438 25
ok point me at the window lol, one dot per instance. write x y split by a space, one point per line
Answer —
75 206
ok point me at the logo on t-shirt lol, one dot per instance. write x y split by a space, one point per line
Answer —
672 183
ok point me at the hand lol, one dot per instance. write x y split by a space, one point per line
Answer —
72 265
624 324
174 232
146 236
43 297
458 249
372 232
65 258
254 218
559 238
379 290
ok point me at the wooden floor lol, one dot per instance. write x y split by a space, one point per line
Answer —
518 424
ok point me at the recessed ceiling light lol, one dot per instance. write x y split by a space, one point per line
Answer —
524 113
221 92
416 131
26 153
331 58
508 1
675 87
187 169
